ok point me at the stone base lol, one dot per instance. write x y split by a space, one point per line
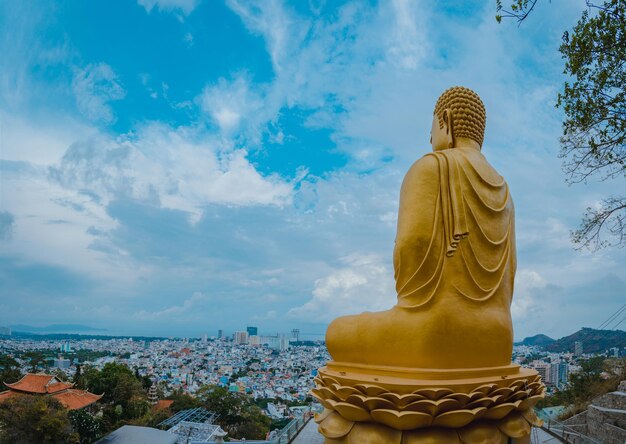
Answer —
365 404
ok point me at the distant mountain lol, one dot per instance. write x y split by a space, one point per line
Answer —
594 341
55 328
537 340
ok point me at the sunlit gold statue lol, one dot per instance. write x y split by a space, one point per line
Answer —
437 366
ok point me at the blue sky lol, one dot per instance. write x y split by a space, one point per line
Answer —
174 167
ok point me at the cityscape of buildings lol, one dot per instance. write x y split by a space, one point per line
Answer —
275 367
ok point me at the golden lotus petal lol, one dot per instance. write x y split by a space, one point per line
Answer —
433 393
316 393
431 435
329 381
518 385
530 402
482 432
532 418
504 391
401 400
518 396
344 391
374 403
458 418
401 420
423 405
482 402
373 433
514 426
525 404
499 411
447 404
351 412
335 426
534 386
370 389
326 393
358 400
319 417
476 395
486 388
463 398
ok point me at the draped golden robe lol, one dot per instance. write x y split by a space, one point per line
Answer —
467 244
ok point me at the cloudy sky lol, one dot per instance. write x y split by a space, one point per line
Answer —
174 167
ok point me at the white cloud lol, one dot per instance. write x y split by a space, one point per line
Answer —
182 312
178 168
407 46
269 18
94 86
184 6
362 283
231 103
56 226
188 38
41 141
525 300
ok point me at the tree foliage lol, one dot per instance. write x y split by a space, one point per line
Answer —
87 427
35 419
9 370
237 413
596 377
594 103
124 397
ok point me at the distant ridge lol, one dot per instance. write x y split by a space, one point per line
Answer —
537 340
55 328
594 341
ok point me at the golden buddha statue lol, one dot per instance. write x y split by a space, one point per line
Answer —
438 365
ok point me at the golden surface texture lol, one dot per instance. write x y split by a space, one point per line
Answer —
437 366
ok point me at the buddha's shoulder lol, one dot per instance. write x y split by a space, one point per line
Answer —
428 165
423 174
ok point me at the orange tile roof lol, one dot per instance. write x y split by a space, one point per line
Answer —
39 383
74 399
163 404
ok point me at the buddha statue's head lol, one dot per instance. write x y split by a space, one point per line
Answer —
458 120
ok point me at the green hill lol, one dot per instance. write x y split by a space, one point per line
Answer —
537 340
594 341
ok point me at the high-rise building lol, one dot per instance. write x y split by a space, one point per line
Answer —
254 340
563 373
65 347
578 348
205 338
252 331
241 337
220 334
283 342
295 334
62 363
543 368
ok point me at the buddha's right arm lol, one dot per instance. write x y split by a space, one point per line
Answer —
416 217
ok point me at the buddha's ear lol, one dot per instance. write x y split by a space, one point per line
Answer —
447 121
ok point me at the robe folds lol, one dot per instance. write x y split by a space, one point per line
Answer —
456 234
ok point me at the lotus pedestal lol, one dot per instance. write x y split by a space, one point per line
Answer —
370 405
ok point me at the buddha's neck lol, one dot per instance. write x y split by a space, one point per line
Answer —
466 142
